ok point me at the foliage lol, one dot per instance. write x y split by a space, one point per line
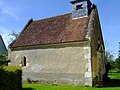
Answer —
3 59
109 61
10 78
117 63
11 68
114 79
109 65
13 36
114 74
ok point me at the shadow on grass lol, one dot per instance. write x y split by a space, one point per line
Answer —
28 89
112 83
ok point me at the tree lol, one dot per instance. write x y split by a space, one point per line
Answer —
109 64
13 36
117 63
3 59
109 60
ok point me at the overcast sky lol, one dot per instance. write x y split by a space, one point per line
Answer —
14 14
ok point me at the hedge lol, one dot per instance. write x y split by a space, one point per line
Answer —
10 78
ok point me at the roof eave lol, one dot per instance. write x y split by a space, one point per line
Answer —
48 44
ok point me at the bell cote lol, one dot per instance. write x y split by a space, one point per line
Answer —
80 8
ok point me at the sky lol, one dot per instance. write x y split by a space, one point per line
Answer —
14 14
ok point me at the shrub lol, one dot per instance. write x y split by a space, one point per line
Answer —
10 78
3 59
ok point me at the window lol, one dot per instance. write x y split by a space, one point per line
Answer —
79 6
23 61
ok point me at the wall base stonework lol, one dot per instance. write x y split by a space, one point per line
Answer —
54 78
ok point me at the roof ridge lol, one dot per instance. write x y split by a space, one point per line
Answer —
52 16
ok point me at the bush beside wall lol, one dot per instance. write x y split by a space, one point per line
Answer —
10 78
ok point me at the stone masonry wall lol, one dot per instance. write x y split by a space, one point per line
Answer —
67 64
97 48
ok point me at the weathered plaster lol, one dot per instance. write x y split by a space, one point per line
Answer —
65 64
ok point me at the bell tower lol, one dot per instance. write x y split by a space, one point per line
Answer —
80 8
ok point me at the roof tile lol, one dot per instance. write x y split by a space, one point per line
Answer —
53 30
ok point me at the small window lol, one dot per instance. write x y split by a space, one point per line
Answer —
23 61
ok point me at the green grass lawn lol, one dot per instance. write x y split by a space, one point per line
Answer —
49 87
114 75
113 84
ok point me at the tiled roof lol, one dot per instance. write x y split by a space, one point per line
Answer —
53 30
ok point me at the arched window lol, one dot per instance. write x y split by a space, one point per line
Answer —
23 61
